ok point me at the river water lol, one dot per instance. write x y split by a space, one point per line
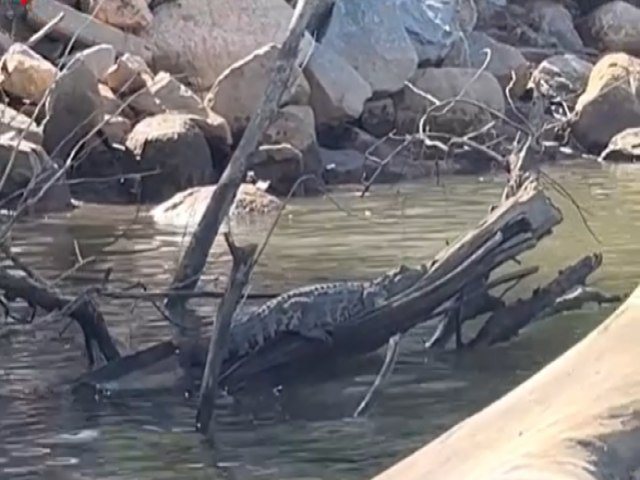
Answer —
305 431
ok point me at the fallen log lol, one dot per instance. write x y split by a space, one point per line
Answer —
515 226
576 418
83 311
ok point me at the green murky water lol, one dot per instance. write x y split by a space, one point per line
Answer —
305 432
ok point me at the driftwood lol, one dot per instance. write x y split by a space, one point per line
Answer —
576 418
195 256
82 310
240 271
505 323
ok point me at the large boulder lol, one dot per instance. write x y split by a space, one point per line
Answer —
504 60
239 90
444 84
610 102
371 37
199 41
129 15
74 110
26 74
433 26
185 208
561 77
30 170
613 27
338 92
555 23
173 155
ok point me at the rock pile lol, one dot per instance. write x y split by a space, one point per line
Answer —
149 98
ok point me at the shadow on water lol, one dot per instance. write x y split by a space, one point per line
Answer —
305 431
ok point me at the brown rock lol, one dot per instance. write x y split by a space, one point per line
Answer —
111 104
173 145
26 74
14 121
185 208
623 147
561 77
127 75
379 117
504 60
129 15
610 103
174 96
239 90
448 83
613 27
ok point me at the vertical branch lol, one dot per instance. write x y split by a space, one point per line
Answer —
240 272
195 257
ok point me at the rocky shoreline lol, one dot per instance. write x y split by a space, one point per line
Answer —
139 101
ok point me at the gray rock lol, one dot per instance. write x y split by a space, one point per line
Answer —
30 163
370 35
280 165
554 21
74 108
379 117
432 26
338 92
505 60
99 59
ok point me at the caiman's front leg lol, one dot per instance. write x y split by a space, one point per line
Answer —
302 321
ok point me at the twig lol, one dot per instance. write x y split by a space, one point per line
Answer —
243 261
393 349
194 259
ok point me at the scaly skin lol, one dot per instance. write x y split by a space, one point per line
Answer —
313 310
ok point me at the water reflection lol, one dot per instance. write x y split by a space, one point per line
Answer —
303 432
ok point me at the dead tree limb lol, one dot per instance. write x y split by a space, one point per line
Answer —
505 324
195 256
84 312
240 272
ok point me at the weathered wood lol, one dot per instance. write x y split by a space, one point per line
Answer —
506 323
577 418
83 28
240 272
83 311
195 256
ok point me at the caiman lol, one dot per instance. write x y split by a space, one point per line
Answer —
313 311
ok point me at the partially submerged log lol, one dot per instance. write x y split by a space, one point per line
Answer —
83 310
577 418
